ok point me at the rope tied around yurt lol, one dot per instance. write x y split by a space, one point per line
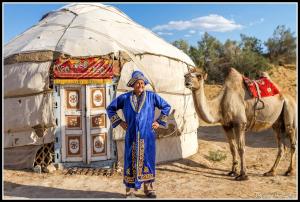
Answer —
183 121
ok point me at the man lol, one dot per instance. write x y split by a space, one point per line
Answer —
139 109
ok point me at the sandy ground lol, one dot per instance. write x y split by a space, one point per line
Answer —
286 78
194 177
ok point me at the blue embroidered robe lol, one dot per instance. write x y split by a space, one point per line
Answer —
139 155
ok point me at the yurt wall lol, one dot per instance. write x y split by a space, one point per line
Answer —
28 111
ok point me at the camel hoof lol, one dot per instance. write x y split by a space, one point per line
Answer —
289 173
242 177
270 173
232 174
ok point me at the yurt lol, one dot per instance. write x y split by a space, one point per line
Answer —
62 73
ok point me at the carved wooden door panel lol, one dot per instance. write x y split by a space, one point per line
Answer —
73 123
98 124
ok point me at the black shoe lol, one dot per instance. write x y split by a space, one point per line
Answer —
151 194
130 195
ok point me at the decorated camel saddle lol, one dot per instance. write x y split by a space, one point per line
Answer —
263 87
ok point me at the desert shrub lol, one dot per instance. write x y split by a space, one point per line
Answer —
217 155
282 46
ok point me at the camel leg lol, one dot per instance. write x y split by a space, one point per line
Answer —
292 135
289 119
239 131
230 137
280 152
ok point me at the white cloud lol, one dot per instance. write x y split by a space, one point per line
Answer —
192 31
165 33
187 35
211 22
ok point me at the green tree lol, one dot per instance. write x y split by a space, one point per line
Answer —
194 54
250 63
248 58
211 53
231 51
182 45
246 55
251 44
282 46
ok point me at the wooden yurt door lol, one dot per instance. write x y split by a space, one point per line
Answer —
84 123
97 98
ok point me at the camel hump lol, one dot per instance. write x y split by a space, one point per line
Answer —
232 72
264 74
233 77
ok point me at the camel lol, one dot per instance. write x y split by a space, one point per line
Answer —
234 108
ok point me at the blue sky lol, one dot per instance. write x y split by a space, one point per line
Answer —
173 21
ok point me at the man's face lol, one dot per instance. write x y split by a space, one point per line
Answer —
139 87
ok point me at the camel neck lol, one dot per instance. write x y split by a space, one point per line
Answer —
203 107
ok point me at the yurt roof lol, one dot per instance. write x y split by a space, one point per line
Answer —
91 29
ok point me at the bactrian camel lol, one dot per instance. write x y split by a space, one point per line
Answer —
233 108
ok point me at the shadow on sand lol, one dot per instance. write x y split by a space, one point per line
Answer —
29 191
264 139
188 166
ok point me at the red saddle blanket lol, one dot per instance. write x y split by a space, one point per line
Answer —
266 87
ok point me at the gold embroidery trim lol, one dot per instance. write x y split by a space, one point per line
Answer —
131 179
115 118
140 164
82 81
147 177
142 103
141 176
133 159
128 171
141 157
146 169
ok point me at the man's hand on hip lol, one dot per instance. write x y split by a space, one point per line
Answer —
155 125
124 125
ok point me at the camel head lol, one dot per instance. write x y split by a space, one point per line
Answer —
194 79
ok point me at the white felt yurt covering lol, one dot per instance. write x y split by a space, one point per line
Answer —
89 29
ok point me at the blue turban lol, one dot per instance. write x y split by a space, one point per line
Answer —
137 75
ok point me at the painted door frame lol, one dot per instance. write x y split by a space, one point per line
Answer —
86 112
